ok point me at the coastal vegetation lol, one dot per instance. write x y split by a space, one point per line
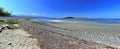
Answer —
13 23
4 13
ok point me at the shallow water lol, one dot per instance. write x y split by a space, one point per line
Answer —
108 40
104 21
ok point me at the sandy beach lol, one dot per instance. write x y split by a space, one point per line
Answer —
53 36
87 26
17 39
106 33
59 24
60 35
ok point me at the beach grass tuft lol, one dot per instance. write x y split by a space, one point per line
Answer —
13 23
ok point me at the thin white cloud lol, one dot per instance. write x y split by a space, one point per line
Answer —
34 14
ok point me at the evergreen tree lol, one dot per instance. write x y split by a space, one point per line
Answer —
4 13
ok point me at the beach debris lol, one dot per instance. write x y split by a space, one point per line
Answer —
42 44
0 30
109 47
10 44
15 24
5 25
9 27
4 28
0 42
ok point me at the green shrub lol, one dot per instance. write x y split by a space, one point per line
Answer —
4 13
12 21
15 27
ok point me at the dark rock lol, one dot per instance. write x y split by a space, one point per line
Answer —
0 42
9 27
0 30
3 28
10 44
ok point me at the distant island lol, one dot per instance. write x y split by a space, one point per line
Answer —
69 18
4 13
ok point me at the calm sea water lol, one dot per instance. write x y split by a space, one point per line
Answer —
105 21
97 20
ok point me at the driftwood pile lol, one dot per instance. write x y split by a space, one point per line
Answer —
5 27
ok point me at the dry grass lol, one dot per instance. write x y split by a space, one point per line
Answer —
109 47
42 44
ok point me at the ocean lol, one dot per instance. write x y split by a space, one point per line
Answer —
96 20
105 21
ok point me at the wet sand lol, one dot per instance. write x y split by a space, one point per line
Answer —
88 26
103 33
51 37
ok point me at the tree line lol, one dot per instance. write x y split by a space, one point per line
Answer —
4 13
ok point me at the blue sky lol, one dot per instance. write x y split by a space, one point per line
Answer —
64 8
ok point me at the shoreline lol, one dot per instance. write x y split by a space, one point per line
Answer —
45 27
103 33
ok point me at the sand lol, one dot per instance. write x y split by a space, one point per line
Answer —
51 37
102 33
17 39
88 26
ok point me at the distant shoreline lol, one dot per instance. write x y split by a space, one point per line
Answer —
96 20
